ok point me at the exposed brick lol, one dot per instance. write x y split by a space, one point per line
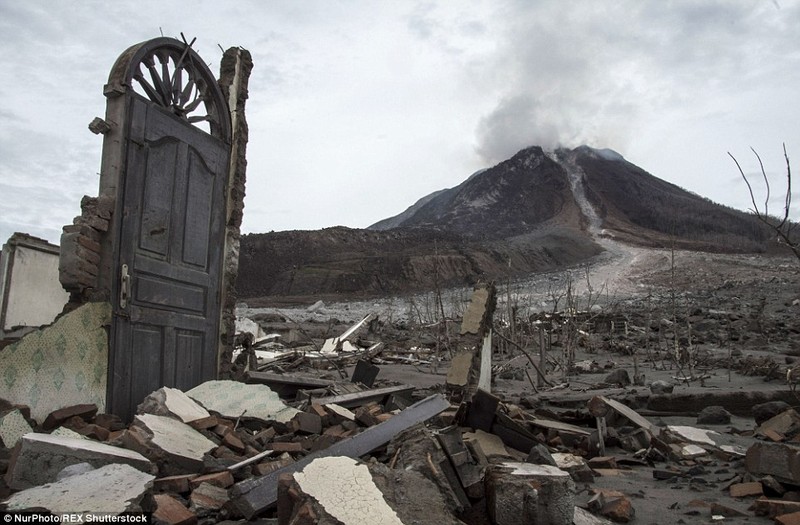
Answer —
57 417
178 484
222 479
170 511
743 490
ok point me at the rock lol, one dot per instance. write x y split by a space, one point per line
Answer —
714 415
42 456
619 510
661 387
540 455
111 489
765 411
618 377
781 426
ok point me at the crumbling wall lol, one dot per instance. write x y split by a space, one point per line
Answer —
30 294
235 71
63 364
82 245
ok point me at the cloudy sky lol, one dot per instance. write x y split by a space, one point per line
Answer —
359 108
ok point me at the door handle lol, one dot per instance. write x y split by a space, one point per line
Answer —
124 286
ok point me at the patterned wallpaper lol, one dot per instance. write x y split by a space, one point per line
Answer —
60 365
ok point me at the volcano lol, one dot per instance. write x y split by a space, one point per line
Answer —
537 211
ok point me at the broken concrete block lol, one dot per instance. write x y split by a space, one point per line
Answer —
176 446
341 411
520 493
785 425
170 511
232 400
42 456
338 489
575 466
111 489
12 427
782 461
692 451
171 402
460 368
345 490
491 445
619 510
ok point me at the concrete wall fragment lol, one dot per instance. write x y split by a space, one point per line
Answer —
60 365
30 294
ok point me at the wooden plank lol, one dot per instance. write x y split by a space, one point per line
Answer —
253 496
357 399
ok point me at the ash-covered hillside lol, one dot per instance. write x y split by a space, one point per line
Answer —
536 211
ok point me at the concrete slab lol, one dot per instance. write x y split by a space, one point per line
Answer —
346 491
42 456
174 403
12 427
460 367
110 489
183 447
232 399
693 434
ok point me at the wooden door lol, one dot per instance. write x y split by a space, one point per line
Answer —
170 238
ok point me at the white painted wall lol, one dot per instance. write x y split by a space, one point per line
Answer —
30 293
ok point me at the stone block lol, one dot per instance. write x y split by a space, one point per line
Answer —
177 447
12 427
170 511
112 489
521 493
42 456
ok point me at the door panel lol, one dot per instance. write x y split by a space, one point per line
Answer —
171 239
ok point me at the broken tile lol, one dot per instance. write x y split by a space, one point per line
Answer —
12 427
41 457
179 444
232 399
692 451
170 511
112 489
341 411
171 402
693 434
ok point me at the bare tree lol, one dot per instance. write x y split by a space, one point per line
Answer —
782 226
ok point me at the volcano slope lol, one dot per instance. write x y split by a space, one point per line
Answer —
535 212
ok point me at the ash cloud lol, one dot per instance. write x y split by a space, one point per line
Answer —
576 73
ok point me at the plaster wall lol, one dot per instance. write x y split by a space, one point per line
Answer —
30 292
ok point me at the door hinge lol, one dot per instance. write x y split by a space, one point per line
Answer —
124 286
